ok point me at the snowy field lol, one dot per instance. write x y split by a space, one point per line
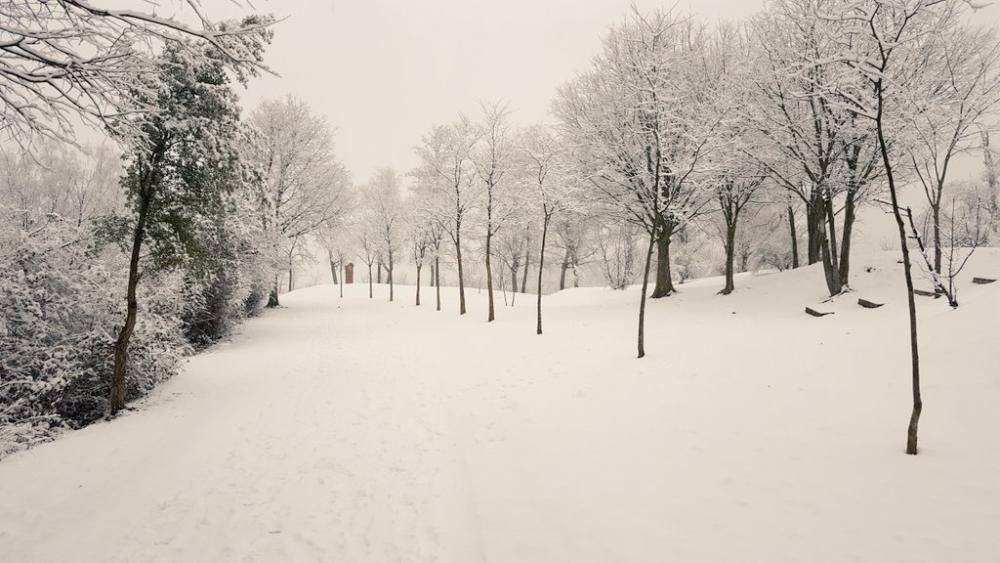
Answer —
358 430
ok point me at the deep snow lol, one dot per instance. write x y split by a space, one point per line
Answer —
360 430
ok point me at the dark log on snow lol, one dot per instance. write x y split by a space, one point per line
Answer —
982 281
869 304
815 313
933 294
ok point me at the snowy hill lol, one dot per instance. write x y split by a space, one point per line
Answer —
362 430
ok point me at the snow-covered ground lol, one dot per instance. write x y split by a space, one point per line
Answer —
358 430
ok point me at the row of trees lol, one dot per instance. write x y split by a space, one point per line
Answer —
810 109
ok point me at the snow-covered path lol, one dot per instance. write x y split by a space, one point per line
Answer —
365 431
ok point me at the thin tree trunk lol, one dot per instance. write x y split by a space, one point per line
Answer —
119 380
437 280
461 275
513 282
524 276
418 285
371 294
489 274
936 213
379 270
341 280
541 268
392 293
795 238
918 404
290 286
642 298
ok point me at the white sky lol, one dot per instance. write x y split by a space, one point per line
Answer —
383 72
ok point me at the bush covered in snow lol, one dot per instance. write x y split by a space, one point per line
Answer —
57 328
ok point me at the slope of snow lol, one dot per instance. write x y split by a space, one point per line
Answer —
361 430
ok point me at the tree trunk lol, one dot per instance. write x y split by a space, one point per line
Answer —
290 280
119 386
562 274
437 280
272 298
341 281
830 272
918 404
541 268
936 214
845 242
379 270
513 283
795 238
815 211
333 269
527 264
371 294
418 285
489 274
664 279
642 297
730 257
461 275
392 294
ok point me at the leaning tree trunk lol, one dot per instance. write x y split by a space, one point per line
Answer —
664 278
119 385
541 268
489 274
437 280
918 403
461 275
730 258
936 214
642 297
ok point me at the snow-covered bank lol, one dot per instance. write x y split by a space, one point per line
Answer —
358 430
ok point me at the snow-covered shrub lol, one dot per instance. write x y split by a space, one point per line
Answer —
63 301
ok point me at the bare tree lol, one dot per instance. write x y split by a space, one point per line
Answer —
445 183
68 61
306 187
961 88
493 159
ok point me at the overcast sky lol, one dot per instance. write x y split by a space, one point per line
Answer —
383 72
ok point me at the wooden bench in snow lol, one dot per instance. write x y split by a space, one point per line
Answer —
869 304
815 313
982 281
